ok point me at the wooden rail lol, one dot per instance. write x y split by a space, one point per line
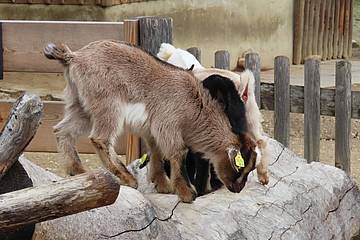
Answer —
103 3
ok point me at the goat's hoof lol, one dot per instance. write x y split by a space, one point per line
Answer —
163 186
187 194
263 178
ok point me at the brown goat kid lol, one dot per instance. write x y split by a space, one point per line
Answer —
113 85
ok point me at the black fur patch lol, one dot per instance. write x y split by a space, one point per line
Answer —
223 90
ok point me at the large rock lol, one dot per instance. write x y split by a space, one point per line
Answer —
301 201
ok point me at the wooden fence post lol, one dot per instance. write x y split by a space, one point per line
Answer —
1 54
299 7
347 21
336 28
350 31
282 100
305 42
312 109
316 27
331 31
152 32
343 116
222 59
196 52
252 62
131 35
321 29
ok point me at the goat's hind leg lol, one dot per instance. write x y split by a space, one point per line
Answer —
67 131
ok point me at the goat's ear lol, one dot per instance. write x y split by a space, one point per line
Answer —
235 158
224 91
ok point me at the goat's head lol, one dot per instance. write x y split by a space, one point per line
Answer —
233 167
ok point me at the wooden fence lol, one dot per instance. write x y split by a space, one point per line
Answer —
322 27
103 3
310 99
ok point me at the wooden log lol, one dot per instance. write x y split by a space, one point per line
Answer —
316 27
343 116
320 39
282 100
331 31
154 31
336 28
252 62
19 130
312 110
341 29
299 7
65 197
326 40
345 50
310 40
350 34
305 42
222 59
196 52
131 35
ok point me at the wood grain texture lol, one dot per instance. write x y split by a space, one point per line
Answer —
316 27
299 8
332 31
44 140
345 51
322 21
327 20
282 100
343 116
312 110
23 41
350 34
222 59
1 53
57 199
131 35
336 28
154 31
310 39
341 29
305 41
252 62
196 52
19 130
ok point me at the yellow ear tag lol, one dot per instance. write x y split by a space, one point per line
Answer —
143 159
239 161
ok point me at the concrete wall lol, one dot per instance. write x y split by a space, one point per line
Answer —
234 25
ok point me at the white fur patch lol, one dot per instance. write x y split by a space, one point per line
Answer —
135 114
258 156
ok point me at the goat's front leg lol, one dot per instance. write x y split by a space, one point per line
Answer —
262 167
180 180
107 154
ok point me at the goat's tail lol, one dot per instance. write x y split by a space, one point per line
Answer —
165 51
59 52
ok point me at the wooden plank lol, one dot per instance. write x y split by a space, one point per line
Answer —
341 29
44 140
196 52
350 34
316 27
325 41
310 40
154 31
345 50
23 41
322 21
327 100
282 100
252 62
222 59
305 41
343 116
1 53
57 199
299 7
312 109
336 28
131 35
331 31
